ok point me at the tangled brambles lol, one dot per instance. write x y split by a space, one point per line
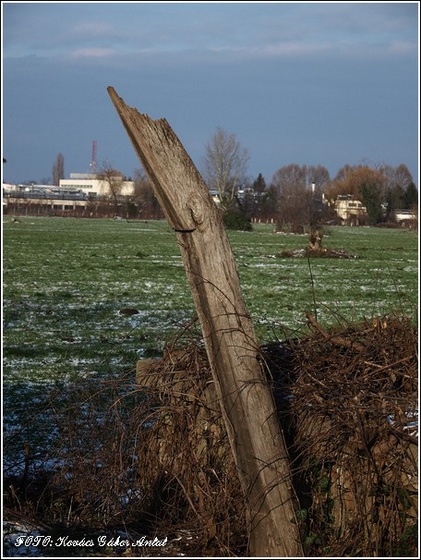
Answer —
354 404
347 402
188 464
150 452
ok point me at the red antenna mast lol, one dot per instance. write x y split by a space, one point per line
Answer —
93 159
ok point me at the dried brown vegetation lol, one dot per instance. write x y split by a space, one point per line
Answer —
353 402
157 458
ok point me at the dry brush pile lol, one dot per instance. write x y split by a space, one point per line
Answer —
355 412
159 454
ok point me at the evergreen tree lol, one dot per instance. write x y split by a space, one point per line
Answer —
411 196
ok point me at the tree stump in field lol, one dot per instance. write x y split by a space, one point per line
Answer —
315 236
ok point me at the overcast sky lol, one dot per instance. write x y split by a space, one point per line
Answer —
306 83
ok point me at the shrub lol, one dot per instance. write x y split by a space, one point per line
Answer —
237 219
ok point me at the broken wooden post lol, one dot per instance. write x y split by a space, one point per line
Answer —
247 403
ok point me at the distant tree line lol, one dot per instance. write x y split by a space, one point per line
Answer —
298 196
302 195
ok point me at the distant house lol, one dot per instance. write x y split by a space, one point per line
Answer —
350 211
406 218
215 196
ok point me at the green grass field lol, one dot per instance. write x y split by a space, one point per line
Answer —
65 281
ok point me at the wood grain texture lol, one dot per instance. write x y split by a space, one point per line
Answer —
247 404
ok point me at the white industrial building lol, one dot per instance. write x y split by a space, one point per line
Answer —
73 195
93 187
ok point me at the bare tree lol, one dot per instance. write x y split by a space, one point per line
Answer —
58 169
114 182
298 192
225 164
291 177
144 196
317 175
350 178
293 196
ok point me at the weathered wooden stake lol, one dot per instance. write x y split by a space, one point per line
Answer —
247 403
